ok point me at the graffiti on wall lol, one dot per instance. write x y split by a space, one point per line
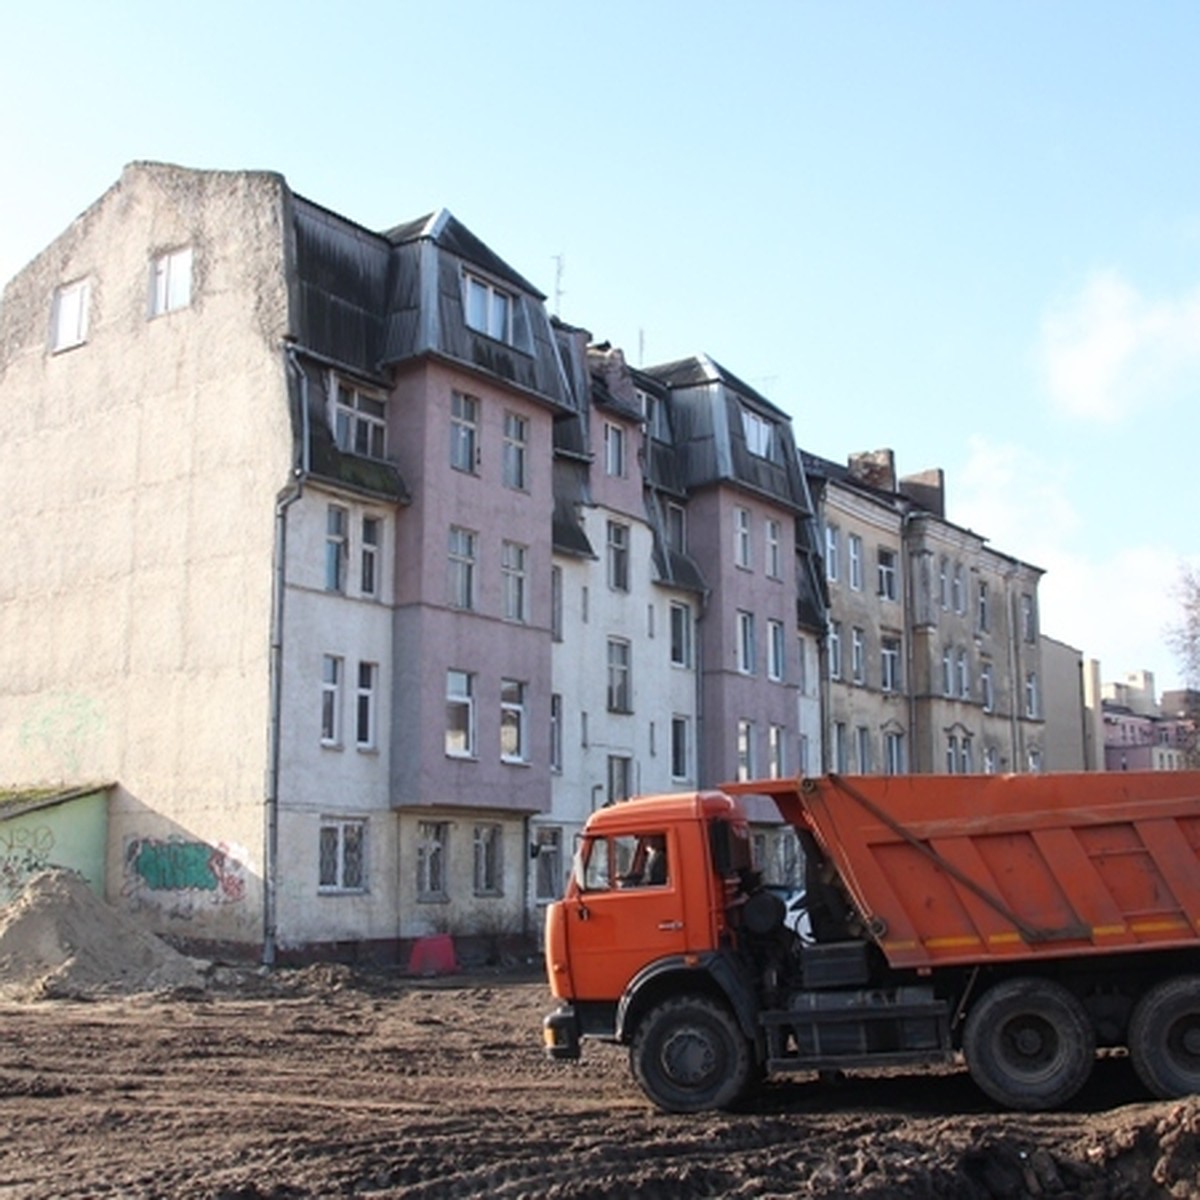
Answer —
192 875
63 726
24 851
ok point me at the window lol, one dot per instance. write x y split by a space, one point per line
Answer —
893 753
680 752
986 688
1031 694
741 537
337 546
887 574
360 421
835 650
548 846
757 433
461 585
944 582
966 756
775 650
841 751
69 316
947 672
516 438
857 655
982 617
489 309
618 556
464 432
958 589
620 777
676 528
488 874
369 563
514 744
889 661
831 553
171 281
364 706
432 838
862 747
802 664
774 556
1028 618
951 753
620 690
776 742
331 700
745 643
802 750
460 714
854 547
341 855
681 634
990 764
556 732
745 750
614 450
512 567
963 671
556 603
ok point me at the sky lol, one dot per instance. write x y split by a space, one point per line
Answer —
966 232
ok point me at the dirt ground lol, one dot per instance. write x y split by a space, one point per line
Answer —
324 1082
129 1070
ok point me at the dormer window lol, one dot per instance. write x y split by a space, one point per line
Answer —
360 421
489 309
759 434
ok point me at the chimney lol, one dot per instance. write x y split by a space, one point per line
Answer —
877 468
928 489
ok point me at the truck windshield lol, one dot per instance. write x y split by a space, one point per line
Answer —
623 861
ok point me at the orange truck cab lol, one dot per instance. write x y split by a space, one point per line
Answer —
1022 921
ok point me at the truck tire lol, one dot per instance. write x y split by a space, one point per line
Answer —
1029 1044
689 1055
1164 1038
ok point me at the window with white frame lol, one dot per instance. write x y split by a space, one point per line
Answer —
947 672
337 547
776 667
944 582
862 749
987 687
556 731
331 700
951 753
513 557
982 613
886 564
364 706
489 309
620 683
835 649
680 748
369 559
461 576
963 673
620 777
889 663
1031 694
832 566
618 556
772 534
966 755
776 751
342 855
433 839
854 553
548 845
858 655
615 463
460 714
681 634
958 588
1033 759
360 421
741 537
171 281
893 752
464 432
489 877
69 315
745 750
516 441
745 643
514 741
990 760
758 433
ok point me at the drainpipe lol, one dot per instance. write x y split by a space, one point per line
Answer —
283 502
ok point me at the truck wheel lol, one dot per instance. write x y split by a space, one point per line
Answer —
1029 1044
689 1055
1164 1038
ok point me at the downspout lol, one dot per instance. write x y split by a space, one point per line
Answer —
283 502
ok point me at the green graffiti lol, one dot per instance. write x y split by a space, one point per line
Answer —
173 865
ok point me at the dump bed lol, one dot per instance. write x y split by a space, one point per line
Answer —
962 869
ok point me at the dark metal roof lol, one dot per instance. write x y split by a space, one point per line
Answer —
702 369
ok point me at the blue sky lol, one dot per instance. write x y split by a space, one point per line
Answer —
967 232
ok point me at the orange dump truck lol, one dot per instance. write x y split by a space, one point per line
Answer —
1022 920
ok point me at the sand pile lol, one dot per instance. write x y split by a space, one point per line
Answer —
57 939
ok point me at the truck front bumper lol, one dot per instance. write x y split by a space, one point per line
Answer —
560 1032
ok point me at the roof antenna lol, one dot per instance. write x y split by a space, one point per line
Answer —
559 267
641 347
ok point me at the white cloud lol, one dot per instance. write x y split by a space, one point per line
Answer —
1109 351
1115 605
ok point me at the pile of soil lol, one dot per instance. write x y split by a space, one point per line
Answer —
59 940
